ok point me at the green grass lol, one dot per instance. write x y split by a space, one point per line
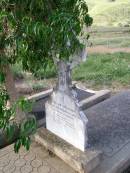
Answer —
17 71
110 42
117 37
99 70
39 85
104 69
50 72
107 13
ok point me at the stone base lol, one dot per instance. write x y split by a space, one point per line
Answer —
83 162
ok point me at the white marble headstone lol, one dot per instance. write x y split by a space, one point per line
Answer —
64 119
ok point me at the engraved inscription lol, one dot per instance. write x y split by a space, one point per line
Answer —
63 114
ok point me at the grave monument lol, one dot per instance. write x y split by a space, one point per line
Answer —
64 116
90 140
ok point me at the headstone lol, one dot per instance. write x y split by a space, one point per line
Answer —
64 116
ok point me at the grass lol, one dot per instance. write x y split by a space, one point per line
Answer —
107 13
104 69
50 72
111 42
17 71
110 36
110 70
38 86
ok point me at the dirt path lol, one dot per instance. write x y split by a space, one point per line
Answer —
104 49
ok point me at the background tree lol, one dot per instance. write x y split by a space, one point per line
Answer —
36 33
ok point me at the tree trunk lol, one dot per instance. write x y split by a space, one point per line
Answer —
13 94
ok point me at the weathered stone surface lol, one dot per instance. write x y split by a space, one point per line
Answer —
82 162
109 123
109 131
97 97
37 160
65 119
40 95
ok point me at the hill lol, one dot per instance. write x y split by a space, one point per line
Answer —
110 13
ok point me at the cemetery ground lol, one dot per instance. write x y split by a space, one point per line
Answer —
110 37
107 67
106 135
100 71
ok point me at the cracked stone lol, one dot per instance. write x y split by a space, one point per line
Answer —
30 156
20 162
44 169
26 169
9 168
36 163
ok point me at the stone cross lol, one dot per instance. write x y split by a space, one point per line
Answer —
64 117
64 70
64 76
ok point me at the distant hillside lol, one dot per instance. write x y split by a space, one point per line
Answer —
108 13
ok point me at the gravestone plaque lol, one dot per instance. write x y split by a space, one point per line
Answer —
64 116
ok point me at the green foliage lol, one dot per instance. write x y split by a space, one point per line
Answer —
103 69
25 105
26 128
24 141
2 77
41 31
5 113
23 130
37 33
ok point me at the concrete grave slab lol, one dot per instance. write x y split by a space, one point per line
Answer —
109 131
